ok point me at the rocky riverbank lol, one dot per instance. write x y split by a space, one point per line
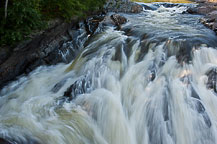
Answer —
209 9
60 43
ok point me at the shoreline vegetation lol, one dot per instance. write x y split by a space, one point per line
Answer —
21 18
54 36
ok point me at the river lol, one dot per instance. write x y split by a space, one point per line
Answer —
143 84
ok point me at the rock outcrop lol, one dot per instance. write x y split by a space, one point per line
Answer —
60 43
49 48
210 11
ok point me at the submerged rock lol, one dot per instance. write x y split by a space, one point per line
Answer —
201 110
212 79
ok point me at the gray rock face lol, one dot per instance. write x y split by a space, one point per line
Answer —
210 12
122 6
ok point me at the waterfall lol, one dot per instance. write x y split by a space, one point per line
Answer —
152 82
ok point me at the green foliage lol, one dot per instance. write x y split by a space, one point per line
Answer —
22 18
25 16
69 8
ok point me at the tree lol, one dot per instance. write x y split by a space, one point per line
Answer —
6 8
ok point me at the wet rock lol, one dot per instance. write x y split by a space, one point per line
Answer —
81 86
122 6
135 8
55 45
210 12
118 20
210 21
92 23
170 5
58 86
212 79
107 21
149 7
194 94
201 110
114 20
207 120
4 54
203 8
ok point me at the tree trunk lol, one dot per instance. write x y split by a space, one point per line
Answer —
6 8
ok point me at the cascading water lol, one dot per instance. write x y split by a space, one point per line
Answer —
145 84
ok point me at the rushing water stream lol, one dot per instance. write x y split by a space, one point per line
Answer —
145 84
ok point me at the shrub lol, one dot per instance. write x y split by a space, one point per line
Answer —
22 18
25 16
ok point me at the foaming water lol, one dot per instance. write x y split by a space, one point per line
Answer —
145 84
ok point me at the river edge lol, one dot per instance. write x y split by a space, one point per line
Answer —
209 10
59 43
56 37
50 46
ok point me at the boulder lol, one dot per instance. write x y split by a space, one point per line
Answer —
136 8
114 20
118 20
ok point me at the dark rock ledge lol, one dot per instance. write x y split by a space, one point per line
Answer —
44 49
60 43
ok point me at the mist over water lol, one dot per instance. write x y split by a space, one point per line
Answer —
144 84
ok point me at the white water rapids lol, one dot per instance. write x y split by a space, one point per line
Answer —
127 90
